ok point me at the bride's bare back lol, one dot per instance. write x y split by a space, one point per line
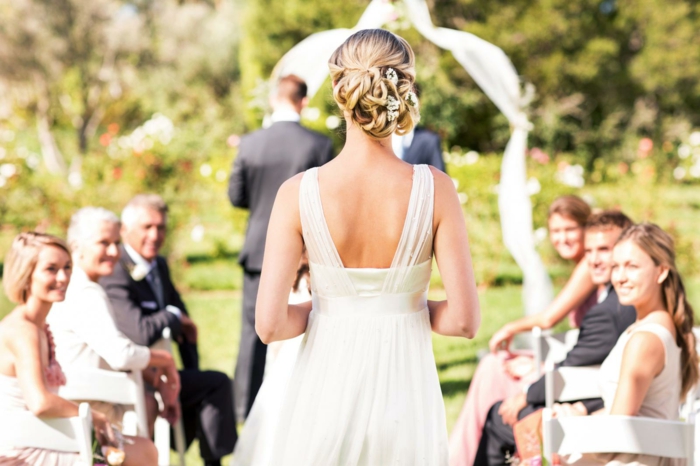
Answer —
365 210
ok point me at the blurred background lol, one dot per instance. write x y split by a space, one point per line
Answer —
102 99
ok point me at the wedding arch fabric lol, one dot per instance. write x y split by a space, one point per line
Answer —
491 69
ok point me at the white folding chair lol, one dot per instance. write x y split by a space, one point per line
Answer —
22 429
551 347
162 427
607 433
125 388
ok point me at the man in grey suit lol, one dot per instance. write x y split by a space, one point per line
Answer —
266 159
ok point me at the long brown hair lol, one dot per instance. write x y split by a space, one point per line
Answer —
659 246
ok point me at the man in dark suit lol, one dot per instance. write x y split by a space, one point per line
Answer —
420 146
600 329
144 302
266 159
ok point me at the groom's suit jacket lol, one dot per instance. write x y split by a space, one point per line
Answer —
266 159
136 310
600 329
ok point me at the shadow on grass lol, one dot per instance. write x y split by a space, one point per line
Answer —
457 362
207 258
453 387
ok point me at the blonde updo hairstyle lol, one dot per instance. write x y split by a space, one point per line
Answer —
362 86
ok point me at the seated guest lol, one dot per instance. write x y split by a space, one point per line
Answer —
601 327
37 273
654 364
501 375
145 301
84 331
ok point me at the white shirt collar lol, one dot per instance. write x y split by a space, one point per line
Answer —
401 143
137 258
285 114
604 294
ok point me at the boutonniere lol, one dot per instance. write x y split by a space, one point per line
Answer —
138 272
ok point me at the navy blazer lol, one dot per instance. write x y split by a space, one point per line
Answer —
425 148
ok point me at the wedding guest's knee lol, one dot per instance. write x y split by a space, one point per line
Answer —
140 452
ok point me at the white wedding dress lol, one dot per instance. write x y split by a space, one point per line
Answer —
365 389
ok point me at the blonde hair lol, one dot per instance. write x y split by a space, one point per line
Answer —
21 260
659 246
362 88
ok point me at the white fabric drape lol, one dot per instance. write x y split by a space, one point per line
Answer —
494 73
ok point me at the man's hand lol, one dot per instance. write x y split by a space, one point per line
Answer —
171 402
569 410
172 378
500 340
189 329
511 407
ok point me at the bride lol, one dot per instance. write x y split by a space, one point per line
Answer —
365 389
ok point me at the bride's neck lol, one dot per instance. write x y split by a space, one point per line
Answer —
362 148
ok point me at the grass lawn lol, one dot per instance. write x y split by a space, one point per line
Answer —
218 315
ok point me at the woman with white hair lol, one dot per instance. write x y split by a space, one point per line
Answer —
83 327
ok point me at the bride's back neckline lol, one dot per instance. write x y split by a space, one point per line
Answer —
404 229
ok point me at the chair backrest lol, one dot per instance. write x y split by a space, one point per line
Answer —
619 434
22 429
162 428
570 384
552 347
125 388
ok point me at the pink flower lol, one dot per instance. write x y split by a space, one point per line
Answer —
539 155
645 147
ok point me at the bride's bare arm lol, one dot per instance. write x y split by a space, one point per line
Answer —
275 319
459 315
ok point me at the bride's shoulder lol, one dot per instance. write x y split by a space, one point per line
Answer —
444 185
291 186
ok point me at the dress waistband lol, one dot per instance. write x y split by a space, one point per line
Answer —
379 305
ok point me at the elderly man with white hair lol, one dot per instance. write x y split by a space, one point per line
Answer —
84 331
145 301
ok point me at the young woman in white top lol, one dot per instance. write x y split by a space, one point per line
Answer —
654 363
37 273
83 327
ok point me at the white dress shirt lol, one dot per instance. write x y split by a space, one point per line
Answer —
84 330
285 115
401 143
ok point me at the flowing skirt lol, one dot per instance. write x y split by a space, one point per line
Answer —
364 391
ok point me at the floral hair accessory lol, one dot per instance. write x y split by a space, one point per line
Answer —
392 105
412 99
392 76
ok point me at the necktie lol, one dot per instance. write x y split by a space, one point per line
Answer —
157 285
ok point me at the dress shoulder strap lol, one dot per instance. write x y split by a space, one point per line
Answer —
416 243
314 229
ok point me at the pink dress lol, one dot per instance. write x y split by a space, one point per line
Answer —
491 384
11 399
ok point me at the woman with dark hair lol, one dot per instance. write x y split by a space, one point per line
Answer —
502 374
